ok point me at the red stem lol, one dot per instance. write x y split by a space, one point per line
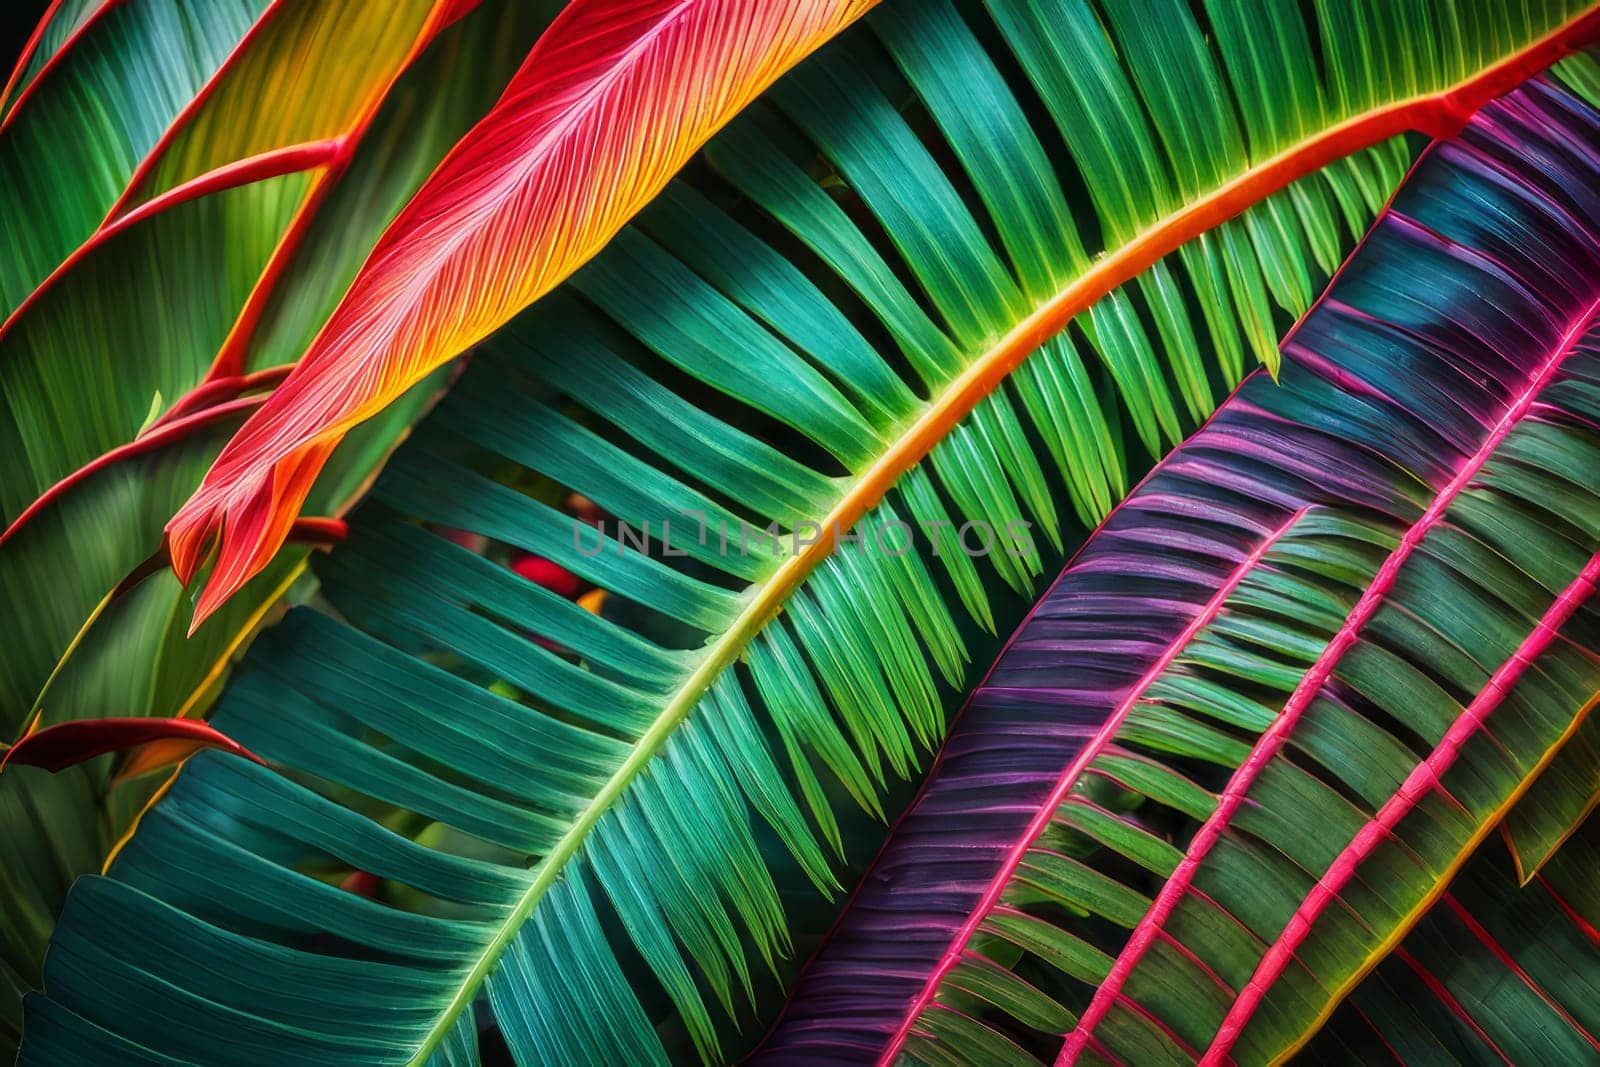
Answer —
271 164
28 48
215 390
1437 988
67 744
1510 964
231 357
50 64
204 93
1571 913
318 530
148 443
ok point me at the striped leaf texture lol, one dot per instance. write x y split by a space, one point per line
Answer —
170 253
1151 117
186 188
1231 791
608 105
594 827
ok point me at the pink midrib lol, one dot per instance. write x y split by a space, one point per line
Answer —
1068 780
1272 740
1422 779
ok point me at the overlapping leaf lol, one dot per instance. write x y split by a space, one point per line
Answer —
136 304
1237 752
119 319
1162 165
608 105
779 341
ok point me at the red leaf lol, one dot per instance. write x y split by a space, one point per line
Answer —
55 748
612 100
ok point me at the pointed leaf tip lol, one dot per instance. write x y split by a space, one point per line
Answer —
247 521
55 748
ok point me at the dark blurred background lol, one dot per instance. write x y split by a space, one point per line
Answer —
16 24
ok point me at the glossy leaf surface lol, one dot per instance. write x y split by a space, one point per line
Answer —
604 110
1152 190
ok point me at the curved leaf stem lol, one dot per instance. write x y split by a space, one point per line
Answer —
231 355
172 431
272 164
217 390
29 47
67 744
153 157
49 65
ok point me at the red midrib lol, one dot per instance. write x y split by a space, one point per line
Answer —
28 49
1272 740
158 151
68 45
270 164
1510 964
1569 911
156 438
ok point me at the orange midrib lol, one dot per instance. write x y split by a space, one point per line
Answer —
1442 113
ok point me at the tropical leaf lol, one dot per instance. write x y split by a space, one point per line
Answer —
1236 756
117 392
62 22
69 743
606 107
120 299
774 346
